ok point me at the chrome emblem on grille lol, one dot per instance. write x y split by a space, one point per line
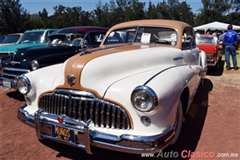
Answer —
71 79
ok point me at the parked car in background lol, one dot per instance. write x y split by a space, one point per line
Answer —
61 45
30 38
129 94
13 38
210 45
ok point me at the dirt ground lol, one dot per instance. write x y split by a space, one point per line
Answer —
210 127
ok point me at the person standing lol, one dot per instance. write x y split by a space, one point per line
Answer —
208 32
215 34
230 40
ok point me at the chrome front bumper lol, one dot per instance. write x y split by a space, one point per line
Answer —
12 77
13 82
85 137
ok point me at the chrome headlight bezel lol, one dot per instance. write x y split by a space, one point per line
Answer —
144 98
34 65
23 85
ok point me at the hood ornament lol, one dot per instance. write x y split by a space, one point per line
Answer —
71 79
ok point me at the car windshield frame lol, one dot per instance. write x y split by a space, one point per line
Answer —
31 37
65 39
206 40
143 35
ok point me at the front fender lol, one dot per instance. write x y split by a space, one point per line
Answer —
167 84
42 80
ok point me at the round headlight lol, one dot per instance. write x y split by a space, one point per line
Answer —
34 65
144 98
23 85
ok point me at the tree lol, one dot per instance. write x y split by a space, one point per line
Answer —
12 16
45 20
236 5
185 13
134 10
151 12
213 10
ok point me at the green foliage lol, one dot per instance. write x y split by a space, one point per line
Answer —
11 16
213 10
14 18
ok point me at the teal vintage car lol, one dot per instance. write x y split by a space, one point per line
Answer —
30 38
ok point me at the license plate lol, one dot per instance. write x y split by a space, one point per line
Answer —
63 133
6 84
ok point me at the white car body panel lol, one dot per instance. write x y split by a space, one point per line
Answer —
112 74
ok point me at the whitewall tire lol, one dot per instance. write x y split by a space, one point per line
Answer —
178 122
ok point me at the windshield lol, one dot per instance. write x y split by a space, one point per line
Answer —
210 40
65 40
1 38
145 35
11 39
33 37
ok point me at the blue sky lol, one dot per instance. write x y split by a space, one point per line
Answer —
34 6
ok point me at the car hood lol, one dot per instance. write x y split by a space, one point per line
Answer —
208 48
15 47
102 67
40 51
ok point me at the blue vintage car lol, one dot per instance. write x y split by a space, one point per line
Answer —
31 38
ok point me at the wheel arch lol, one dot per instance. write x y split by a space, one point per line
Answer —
185 100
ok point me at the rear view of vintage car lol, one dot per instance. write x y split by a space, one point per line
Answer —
209 44
127 95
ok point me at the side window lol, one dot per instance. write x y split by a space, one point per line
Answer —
188 39
95 38
115 37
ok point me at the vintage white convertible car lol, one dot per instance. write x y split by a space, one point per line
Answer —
127 95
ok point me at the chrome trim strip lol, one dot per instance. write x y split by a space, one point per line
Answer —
10 75
86 137
162 72
108 116
102 114
113 116
16 69
177 58
96 115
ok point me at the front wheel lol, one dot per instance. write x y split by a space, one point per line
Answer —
178 122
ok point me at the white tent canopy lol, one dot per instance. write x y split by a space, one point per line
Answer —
215 25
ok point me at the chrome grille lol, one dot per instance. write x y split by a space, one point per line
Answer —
12 73
82 106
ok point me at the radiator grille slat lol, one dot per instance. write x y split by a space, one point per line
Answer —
84 107
79 109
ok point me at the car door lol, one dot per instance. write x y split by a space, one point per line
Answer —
191 57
